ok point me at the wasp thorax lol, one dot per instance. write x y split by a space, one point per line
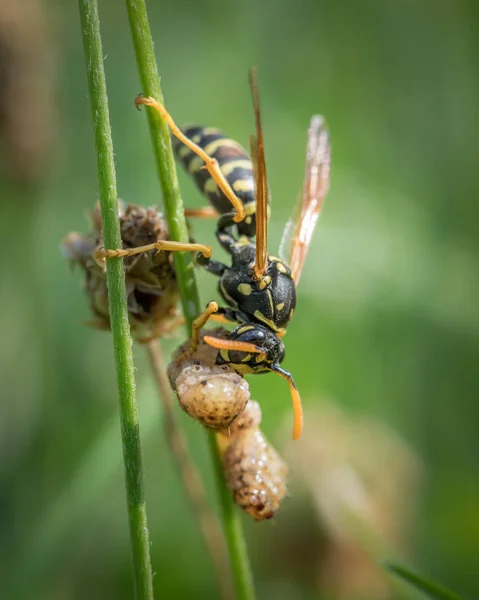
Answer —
213 395
254 471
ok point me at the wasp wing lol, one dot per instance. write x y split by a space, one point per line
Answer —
300 228
261 182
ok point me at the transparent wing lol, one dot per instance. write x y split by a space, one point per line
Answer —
261 182
300 228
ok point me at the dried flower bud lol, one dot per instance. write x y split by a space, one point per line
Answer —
254 471
151 286
213 395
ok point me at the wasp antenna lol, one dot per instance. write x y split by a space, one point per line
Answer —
221 344
295 397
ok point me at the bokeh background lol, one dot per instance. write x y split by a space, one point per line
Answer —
387 326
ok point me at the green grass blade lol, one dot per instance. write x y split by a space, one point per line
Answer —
130 433
430 588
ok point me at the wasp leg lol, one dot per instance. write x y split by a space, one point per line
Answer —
229 315
226 240
160 245
225 236
225 222
205 212
211 164
223 226
224 232
212 266
220 318
200 321
225 315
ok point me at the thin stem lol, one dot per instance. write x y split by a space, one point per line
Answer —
232 528
164 159
130 433
195 489
174 213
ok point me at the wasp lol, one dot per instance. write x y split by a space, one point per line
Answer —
259 289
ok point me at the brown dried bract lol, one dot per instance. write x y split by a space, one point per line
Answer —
254 471
151 286
213 395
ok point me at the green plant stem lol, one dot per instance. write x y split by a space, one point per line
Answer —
194 487
174 213
164 159
232 528
117 300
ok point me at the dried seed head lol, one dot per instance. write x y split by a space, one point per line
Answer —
213 395
78 248
254 471
151 287
141 226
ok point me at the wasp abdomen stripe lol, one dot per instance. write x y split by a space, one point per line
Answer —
233 161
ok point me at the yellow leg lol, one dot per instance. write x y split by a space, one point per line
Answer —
211 164
200 321
220 319
205 212
164 245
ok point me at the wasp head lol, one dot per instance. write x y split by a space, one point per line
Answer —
270 345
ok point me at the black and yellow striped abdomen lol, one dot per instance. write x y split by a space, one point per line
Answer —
235 164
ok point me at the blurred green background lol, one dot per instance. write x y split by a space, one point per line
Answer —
387 321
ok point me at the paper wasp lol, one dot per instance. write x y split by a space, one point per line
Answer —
259 289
